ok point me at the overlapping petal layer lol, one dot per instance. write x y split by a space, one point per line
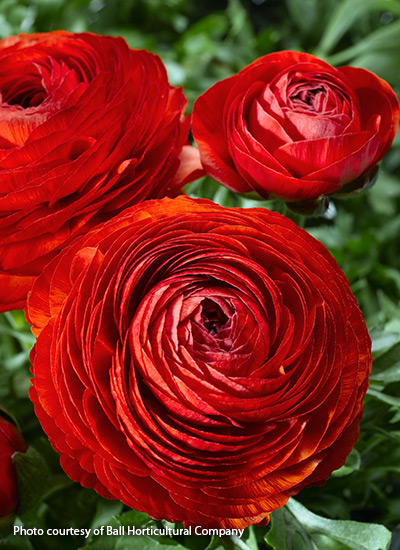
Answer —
199 363
88 127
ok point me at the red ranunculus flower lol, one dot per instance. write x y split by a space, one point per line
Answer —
88 127
11 441
199 363
289 125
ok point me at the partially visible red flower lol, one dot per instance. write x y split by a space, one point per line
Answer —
291 126
199 363
88 127
11 441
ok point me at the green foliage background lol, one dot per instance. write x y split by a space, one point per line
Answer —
201 42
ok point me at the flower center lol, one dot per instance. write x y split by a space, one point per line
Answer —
22 85
309 98
33 98
212 316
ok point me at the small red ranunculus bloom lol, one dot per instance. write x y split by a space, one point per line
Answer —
291 126
88 127
199 363
11 441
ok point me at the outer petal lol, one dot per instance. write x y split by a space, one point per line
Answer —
209 134
371 90
190 167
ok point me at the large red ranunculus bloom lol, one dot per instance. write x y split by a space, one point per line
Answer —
199 363
11 441
290 125
88 127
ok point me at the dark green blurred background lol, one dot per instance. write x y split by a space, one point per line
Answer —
201 42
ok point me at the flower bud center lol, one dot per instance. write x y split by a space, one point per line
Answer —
212 316
27 98
309 97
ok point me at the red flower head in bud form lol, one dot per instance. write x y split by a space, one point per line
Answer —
291 126
11 441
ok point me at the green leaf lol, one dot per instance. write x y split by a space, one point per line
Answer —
106 511
386 367
385 38
35 480
131 518
304 14
296 528
345 16
382 340
389 399
237 17
109 542
250 538
352 464
388 376
114 541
